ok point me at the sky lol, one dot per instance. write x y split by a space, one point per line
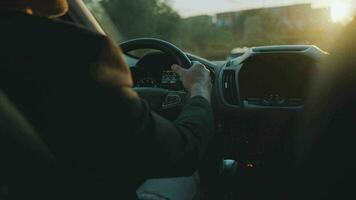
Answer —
187 8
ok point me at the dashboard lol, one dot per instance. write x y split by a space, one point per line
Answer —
272 77
154 70
257 98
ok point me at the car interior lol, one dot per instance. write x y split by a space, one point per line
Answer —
262 99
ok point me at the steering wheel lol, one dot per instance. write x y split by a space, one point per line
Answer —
160 99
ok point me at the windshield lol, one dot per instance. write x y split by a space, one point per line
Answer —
222 29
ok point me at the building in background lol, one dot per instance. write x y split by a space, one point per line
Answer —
295 17
291 24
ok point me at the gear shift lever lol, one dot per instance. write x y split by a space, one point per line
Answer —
228 168
228 173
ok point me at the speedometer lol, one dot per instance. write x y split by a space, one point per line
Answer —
169 77
146 82
170 80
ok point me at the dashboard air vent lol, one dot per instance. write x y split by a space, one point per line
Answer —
229 87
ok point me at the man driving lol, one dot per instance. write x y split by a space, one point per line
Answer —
76 90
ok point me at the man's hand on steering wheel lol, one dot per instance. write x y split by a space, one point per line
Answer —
196 79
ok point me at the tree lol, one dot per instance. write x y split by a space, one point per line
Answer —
143 18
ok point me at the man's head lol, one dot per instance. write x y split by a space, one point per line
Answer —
46 8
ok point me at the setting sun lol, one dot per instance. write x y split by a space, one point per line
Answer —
341 11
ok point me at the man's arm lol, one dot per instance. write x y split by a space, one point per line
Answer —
164 148
176 148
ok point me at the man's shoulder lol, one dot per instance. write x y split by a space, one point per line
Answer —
53 30
46 42
67 29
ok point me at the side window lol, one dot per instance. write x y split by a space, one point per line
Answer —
104 19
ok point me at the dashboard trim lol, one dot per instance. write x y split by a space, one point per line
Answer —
236 65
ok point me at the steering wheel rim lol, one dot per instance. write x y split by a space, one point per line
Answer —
160 99
157 44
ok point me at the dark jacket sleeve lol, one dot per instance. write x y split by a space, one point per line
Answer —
162 147
176 148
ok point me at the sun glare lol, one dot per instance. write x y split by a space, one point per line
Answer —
341 11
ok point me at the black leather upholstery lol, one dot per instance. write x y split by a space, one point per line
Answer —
24 158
